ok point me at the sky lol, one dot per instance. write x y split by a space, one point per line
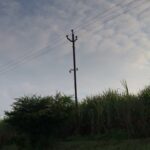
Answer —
35 56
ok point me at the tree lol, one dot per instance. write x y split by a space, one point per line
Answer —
39 117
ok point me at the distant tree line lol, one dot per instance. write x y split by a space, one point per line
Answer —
35 118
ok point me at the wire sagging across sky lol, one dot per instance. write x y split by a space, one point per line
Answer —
104 17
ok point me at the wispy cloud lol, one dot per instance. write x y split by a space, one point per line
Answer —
113 45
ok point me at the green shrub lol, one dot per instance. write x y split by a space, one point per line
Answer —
34 120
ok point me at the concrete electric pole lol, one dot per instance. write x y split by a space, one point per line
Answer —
73 40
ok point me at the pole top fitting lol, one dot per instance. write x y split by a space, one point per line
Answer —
76 38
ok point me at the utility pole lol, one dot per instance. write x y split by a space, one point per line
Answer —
73 40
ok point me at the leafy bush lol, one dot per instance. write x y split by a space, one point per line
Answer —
38 119
42 117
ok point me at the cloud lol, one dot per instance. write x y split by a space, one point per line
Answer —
107 51
9 8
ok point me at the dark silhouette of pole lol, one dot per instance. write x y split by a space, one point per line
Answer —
73 40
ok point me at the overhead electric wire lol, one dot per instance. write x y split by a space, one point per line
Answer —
40 52
118 15
28 54
24 56
33 52
29 58
88 24
16 63
119 4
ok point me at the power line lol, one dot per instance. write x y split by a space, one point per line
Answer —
100 14
40 52
118 15
34 52
20 62
26 55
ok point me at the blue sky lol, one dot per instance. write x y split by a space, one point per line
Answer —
113 44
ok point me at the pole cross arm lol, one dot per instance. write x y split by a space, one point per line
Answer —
76 38
67 36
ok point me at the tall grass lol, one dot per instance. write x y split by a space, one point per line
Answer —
104 114
112 110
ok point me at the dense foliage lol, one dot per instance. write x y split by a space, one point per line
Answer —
42 115
55 116
39 118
